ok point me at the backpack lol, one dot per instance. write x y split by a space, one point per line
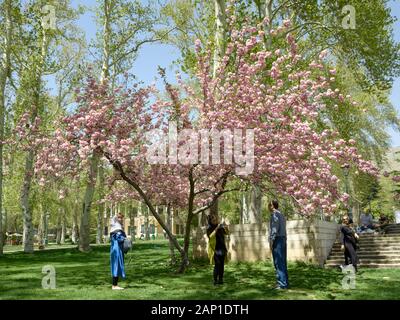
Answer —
127 245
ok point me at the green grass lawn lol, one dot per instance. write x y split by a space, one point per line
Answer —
87 276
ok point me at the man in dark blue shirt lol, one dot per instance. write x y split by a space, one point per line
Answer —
277 240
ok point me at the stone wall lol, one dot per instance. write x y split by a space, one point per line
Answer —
306 241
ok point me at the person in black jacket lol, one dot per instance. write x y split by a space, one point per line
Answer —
349 242
217 251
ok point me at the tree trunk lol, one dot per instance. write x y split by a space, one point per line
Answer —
146 225
75 229
251 206
100 212
63 226
41 227
30 157
84 240
268 14
118 167
220 33
84 231
5 71
219 51
186 242
171 244
4 227
27 238
59 217
1 233
46 228
105 69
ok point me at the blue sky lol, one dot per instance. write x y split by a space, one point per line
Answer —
395 96
153 55
150 57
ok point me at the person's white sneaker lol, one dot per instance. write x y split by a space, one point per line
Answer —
117 288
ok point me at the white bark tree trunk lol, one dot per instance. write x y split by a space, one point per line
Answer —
268 14
251 206
41 227
46 228
63 226
5 71
220 33
75 225
84 231
146 224
3 227
251 200
84 236
171 244
100 212
27 238
59 217
220 41
30 157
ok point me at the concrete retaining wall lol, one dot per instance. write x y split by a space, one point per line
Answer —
306 241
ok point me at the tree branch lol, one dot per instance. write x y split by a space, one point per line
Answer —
137 47
215 198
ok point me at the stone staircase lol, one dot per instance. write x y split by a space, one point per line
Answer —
376 251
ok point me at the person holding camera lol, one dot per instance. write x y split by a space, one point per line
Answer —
348 238
117 238
217 251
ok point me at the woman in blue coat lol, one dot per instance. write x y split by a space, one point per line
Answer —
117 237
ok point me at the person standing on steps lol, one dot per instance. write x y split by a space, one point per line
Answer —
217 251
277 242
117 237
349 242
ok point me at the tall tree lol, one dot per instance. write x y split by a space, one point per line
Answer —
5 72
36 69
41 34
125 27
288 141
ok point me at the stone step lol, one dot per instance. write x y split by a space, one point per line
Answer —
371 247
375 243
376 257
368 265
374 240
361 261
368 253
378 236
377 246
376 250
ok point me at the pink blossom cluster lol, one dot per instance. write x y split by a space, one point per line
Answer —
268 91
272 93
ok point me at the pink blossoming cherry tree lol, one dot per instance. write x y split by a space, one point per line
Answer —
275 94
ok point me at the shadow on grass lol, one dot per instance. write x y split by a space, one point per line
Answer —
149 276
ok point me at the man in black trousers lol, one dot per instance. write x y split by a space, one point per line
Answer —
348 238
278 247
